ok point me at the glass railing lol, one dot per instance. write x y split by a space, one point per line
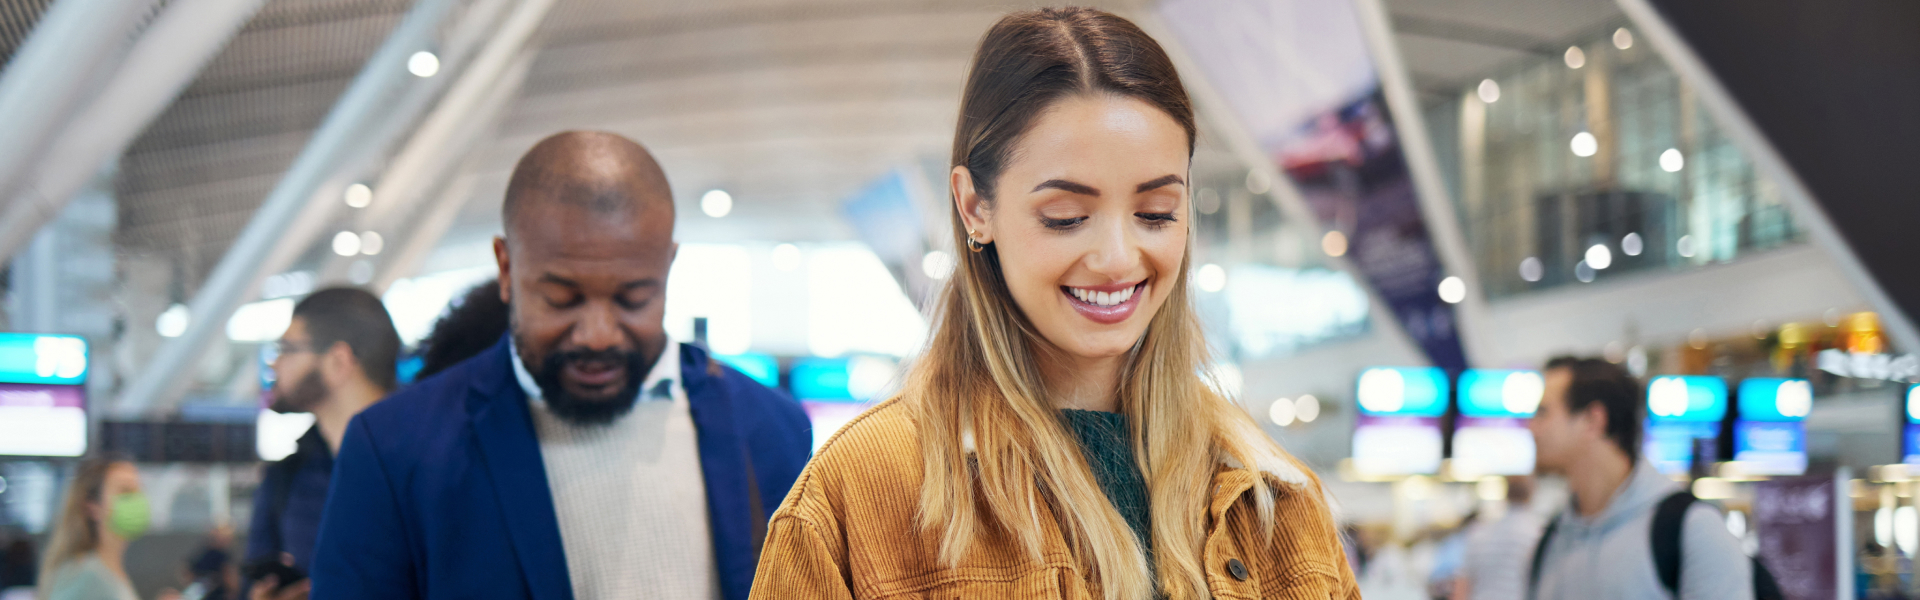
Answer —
1594 162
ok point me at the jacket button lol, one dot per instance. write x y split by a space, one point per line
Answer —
1238 569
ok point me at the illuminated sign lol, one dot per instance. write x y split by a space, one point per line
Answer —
761 367
42 359
1490 437
1398 429
1681 409
1912 409
821 379
43 403
1770 438
1403 391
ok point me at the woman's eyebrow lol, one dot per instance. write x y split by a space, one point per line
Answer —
1159 183
1067 186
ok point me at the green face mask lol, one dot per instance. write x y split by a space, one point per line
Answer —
128 515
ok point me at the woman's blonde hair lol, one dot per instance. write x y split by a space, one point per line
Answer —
75 533
994 447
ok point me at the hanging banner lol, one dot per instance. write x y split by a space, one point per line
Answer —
1297 75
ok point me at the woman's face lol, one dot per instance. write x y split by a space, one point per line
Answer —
1089 218
121 478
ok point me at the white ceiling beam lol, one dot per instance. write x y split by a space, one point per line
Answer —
293 213
75 43
160 65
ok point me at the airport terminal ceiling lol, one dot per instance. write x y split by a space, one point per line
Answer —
789 106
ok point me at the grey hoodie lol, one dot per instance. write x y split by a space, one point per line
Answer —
1610 556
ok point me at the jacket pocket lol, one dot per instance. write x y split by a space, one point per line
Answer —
1049 583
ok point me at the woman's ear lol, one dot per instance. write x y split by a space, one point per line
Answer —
974 210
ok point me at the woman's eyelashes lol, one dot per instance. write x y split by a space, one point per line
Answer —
1062 224
1152 220
1157 220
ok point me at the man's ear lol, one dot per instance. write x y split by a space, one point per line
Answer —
506 268
338 364
1595 419
974 210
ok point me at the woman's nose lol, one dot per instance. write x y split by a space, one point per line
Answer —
1115 252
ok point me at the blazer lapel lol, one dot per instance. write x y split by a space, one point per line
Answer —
504 431
725 465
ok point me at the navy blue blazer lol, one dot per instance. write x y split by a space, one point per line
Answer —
439 490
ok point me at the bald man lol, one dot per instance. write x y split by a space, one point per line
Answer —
585 455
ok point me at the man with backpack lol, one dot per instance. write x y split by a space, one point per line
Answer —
336 359
1628 532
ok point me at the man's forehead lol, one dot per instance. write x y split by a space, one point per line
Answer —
296 328
568 220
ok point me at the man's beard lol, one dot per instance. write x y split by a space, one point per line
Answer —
580 410
302 396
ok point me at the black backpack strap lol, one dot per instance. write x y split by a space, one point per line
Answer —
1539 558
1669 520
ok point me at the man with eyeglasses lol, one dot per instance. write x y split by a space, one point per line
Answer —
336 359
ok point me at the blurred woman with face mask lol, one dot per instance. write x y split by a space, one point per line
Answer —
104 510
1058 438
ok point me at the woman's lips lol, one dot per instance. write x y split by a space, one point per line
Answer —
1106 314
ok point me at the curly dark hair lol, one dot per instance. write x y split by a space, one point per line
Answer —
473 323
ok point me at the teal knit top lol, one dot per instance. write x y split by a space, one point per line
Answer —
1109 451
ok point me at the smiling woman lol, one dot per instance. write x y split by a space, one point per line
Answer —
1057 438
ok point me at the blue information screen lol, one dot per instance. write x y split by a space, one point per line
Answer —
1770 437
1491 437
761 367
821 379
1680 409
1398 430
47 359
43 402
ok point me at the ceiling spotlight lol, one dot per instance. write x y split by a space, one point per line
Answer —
1211 277
1489 91
371 243
173 321
346 243
1307 408
1672 161
1531 269
716 203
1453 290
1584 144
936 265
1208 201
1622 38
1576 57
1282 412
1334 243
359 195
1257 182
423 64
1599 257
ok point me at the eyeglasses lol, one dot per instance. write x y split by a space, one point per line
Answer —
285 347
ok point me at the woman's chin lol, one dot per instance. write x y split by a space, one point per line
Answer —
1101 346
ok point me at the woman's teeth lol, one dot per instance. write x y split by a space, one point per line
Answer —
1102 298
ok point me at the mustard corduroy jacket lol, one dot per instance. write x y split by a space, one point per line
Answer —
848 530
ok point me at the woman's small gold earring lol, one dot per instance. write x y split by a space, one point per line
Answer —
972 244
